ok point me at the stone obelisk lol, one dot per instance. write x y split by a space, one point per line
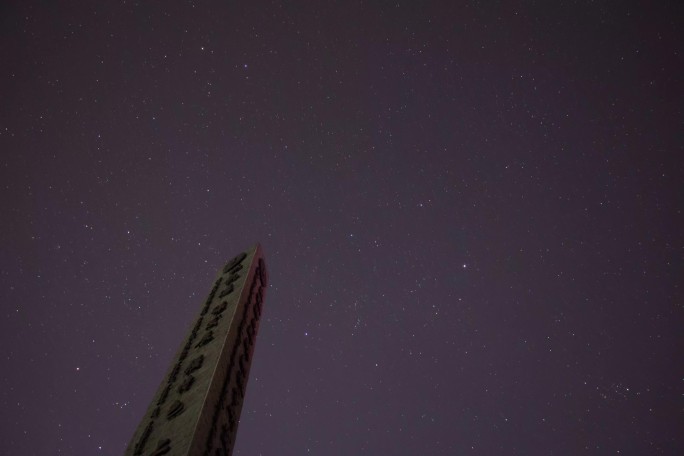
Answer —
196 409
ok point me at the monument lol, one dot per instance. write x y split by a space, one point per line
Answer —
195 411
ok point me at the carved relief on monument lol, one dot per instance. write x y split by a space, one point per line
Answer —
176 403
230 402
177 408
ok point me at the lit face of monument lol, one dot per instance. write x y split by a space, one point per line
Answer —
197 407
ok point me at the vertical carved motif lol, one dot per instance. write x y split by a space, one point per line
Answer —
163 447
240 357
175 409
141 443
231 320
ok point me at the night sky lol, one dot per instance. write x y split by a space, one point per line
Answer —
471 213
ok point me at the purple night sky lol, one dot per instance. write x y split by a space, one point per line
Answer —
471 215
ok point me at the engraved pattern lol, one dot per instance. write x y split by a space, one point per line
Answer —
227 291
176 409
234 262
140 446
213 322
220 308
245 336
194 365
180 380
208 337
187 383
163 447
141 443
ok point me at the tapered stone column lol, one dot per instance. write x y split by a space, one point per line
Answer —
196 409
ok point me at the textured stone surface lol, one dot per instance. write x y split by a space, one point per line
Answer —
197 407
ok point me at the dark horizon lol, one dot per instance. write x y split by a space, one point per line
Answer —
472 215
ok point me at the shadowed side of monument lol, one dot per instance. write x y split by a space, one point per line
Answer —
196 410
